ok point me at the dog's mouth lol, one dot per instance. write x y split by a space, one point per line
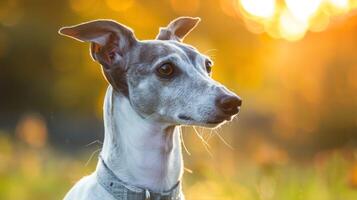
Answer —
219 119
215 121
185 118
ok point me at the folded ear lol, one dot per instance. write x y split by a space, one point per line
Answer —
109 39
178 28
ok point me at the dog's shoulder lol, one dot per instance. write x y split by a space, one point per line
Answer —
88 188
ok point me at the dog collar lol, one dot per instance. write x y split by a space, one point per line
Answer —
123 191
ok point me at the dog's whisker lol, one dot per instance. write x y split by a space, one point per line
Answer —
208 151
183 141
188 170
207 133
210 50
200 136
210 135
91 156
94 142
224 141
203 133
205 144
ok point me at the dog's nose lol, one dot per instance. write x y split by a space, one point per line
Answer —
229 104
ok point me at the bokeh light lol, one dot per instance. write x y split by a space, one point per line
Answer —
32 130
259 8
303 10
290 27
293 18
340 4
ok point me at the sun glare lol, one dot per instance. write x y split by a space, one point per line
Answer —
340 4
291 19
302 10
259 8
291 28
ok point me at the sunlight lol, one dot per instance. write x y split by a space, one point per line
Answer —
303 10
291 28
292 18
340 4
259 8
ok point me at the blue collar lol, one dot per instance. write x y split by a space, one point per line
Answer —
123 191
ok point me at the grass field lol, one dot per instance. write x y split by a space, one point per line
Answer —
44 173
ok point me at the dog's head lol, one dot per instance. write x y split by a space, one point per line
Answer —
164 79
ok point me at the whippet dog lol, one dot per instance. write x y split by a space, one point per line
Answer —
155 86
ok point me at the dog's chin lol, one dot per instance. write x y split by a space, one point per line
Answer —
210 123
213 124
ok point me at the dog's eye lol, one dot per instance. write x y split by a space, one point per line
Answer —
166 70
208 66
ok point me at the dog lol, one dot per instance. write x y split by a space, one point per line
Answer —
155 87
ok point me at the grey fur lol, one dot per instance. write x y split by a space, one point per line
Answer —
143 111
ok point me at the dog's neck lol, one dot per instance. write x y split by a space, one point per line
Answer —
140 152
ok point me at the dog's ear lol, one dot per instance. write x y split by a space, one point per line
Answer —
178 28
109 40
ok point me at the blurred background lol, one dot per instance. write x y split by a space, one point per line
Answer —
294 63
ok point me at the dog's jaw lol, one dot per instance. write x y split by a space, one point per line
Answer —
140 152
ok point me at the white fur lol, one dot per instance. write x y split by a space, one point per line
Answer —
142 139
139 151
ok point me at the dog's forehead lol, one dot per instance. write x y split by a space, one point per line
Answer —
150 50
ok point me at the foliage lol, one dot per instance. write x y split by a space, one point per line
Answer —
43 173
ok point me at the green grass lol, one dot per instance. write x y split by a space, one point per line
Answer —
27 173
